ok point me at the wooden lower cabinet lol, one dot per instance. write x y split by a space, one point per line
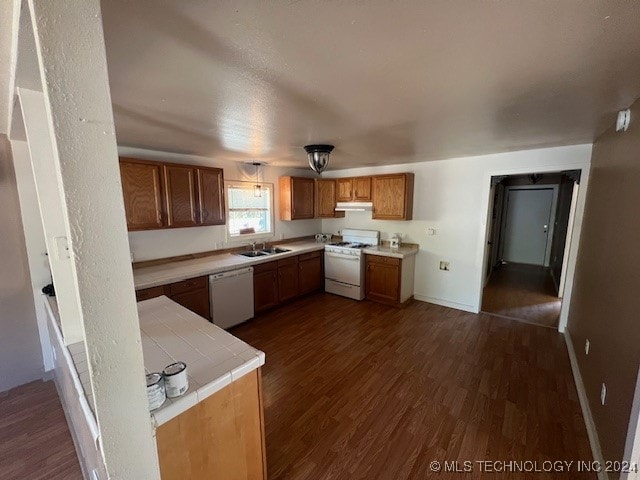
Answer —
265 286
288 279
192 294
222 437
279 281
383 277
310 272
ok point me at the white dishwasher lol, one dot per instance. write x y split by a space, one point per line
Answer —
231 295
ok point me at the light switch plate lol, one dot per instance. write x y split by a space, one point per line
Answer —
603 394
587 345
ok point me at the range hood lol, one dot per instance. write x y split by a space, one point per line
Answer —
354 206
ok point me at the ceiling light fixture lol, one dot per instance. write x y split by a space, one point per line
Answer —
257 188
318 156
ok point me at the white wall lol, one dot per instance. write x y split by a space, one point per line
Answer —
34 241
20 352
452 196
152 244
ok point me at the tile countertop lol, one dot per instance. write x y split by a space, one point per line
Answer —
156 275
385 251
214 358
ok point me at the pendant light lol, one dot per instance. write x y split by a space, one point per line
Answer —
318 156
257 188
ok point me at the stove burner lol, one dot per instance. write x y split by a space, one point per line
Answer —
349 245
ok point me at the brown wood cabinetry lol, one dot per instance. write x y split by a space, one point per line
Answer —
326 199
282 280
192 294
210 196
310 272
383 279
143 189
288 279
297 198
166 195
221 437
392 196
356 189
265 286
182 210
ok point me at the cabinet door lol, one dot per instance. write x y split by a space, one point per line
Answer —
302 198
210 196
152 292
392 197
181 195
197 301
142 188
383 280
362 189
326 199
310 275
344 187
265 290
288 279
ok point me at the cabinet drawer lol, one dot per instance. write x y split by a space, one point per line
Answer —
148 293
383 260
307 256
287 261
188 285
265 267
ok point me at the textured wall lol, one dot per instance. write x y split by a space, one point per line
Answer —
20 353
604 307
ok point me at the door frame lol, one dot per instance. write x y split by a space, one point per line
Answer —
552 217
584 167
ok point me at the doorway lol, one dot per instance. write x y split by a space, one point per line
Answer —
529 234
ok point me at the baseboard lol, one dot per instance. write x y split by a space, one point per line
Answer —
594 441
445 303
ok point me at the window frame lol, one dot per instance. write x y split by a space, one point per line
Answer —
249 237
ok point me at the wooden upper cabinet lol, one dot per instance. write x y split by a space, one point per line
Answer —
356 189
362 189
326 199
297 198
181 195
210 196
168 195
392 196
344 189
142 187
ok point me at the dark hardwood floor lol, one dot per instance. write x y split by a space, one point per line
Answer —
35 442
523 292
357 390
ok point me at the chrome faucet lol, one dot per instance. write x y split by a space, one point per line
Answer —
264 245
253 246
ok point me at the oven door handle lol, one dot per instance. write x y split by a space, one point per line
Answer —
343 257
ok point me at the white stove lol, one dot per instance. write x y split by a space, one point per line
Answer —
344 263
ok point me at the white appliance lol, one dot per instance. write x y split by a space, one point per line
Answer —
354 206
344 263
231 295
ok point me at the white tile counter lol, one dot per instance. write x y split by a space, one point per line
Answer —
147 277
386 251
214 358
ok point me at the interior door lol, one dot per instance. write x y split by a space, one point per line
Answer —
527 225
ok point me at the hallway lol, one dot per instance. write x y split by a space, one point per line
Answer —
522 292
35 442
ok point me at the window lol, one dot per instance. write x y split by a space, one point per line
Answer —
249 216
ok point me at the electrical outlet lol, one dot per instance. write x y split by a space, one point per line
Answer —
431 231
586 347
445 266
603 394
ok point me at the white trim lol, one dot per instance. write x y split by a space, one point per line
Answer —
445 303
632 444
568 239
247 238
583 166
584 405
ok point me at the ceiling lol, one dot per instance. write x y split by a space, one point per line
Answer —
384 81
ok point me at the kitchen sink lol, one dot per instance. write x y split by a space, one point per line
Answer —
273 250
253 253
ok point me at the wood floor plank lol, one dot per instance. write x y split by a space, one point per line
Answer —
35 442
360 390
